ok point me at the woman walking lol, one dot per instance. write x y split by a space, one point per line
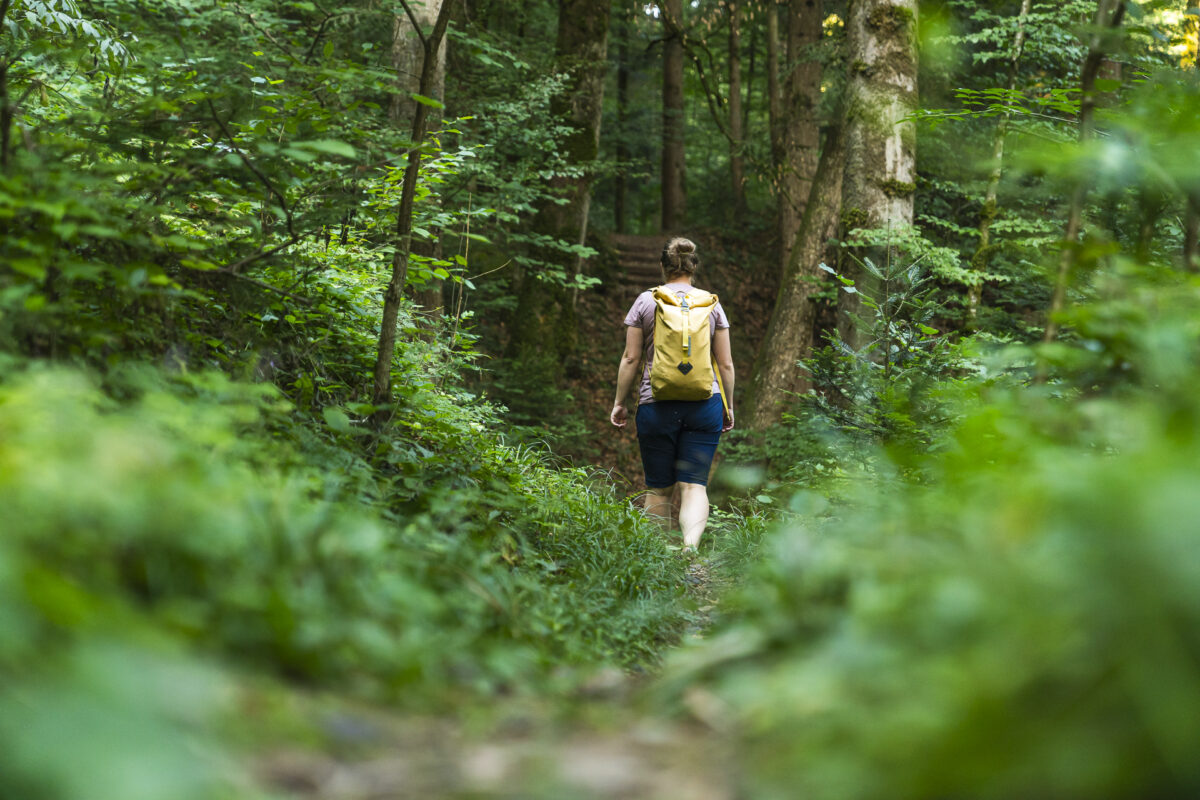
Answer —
677 438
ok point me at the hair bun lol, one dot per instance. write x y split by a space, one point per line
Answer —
679 257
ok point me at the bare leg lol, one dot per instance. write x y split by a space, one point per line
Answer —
657 505
693 512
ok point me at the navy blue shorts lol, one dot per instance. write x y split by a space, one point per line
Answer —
678 439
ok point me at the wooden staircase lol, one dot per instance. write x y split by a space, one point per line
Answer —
640 266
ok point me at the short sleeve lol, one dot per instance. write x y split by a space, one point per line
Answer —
720 321
637 312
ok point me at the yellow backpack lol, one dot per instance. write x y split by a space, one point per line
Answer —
683 366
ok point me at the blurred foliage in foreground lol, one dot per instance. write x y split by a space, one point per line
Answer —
199 511
1010 610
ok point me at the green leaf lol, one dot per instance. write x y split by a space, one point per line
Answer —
1107 85
329 146
337 419
427 101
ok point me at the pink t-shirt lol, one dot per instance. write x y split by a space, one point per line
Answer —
642 315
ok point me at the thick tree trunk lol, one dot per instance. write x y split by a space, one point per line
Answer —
544 325
799 126
382 391
1109 14
620 182
408 59
582 51
737 161
674 193
880 171
983 253
790 332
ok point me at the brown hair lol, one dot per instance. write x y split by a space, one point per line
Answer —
679 258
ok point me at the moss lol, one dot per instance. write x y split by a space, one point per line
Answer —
890 19
859 68
853 218
989 211
895 188
983 257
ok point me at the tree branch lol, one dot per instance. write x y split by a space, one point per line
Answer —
283 203
416 25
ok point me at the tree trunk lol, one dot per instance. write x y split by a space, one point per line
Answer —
544 325
799 128
774 99
1191 235
1191 199
737 162
620 182
674 195
408 53
751 74
582 51
880 170
382 390
789 336
408 59
983 253
1109 14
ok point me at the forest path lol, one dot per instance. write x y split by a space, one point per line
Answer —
610 739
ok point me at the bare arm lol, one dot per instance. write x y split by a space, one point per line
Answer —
626 374
724 356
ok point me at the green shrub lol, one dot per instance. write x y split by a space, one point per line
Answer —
202 515
1021 622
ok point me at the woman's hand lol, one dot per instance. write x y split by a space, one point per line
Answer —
619 416
728 424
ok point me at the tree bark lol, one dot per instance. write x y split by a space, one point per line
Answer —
1191 200
737 161
880 170
983 253
674 169
1191 235
382 390
408 54
1109 14
774 99
544 325
799 129
582 51
620 182
789 336
408 59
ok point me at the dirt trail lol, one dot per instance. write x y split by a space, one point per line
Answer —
604 742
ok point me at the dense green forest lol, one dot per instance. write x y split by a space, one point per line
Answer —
310 314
